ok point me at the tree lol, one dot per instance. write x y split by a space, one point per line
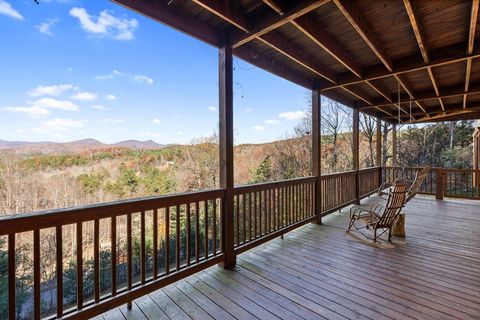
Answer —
368 130
263 172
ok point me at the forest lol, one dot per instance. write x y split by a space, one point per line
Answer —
32 182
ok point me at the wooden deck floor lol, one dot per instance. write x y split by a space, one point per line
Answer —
319 272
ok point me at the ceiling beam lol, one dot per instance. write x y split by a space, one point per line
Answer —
277 42
272 39
406 65
350 11
417 30
315 32
275 5
225 12
357 94
444 116
271 23
450 92
410 93
165 14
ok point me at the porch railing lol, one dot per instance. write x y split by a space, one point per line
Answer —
152 242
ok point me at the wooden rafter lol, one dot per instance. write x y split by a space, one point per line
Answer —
315 32
276 21
272 39
357 94
405 65
450 92
225 12
417 30
379 91
275 5
353 15
471 43
311 63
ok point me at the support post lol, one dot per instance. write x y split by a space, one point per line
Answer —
226 152
378 158
316 151
356 151
440 186
394 146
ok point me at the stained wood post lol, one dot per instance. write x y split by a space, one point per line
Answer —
316 151
226 152
440 184
356 152
378 158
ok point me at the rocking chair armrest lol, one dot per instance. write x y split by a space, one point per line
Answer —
384 186
357 211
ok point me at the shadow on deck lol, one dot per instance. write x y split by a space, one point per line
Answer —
320 272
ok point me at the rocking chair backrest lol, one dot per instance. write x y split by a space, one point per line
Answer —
420 177
395 203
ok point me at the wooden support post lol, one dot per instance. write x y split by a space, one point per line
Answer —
394 145
356 151
378 155
226 152
316 151
440 186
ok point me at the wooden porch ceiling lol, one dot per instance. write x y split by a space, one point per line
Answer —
360 53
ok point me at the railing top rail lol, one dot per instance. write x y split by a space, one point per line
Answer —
269 185
24 222
435 169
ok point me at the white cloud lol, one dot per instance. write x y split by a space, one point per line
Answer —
140 78
258 128
248 109
212 108
53 90
292 115
58 125
110 97
272 122
157 121
143 79
46 26
105 25
33 111
100 107
49 103
7 9
69 69
85 96
111 120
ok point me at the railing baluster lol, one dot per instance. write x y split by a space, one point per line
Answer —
167 240
36 275
129 256
197 232
244 211
143 259
12 279
59 269
177 238
79 266
250 205
188 231
214 230
155 244
206 229
96 259
237 209
113 249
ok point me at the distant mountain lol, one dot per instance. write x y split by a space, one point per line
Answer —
135 144
47 147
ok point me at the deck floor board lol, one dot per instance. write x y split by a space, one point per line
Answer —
320 272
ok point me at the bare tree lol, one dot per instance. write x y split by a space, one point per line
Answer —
368 127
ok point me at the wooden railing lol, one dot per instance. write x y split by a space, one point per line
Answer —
344 182
264 211
184 237
442 182
123 250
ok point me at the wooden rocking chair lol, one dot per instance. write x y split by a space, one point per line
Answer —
380 217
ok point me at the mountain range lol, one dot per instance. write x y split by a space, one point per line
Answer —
74 146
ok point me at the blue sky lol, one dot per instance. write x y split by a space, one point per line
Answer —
73 69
